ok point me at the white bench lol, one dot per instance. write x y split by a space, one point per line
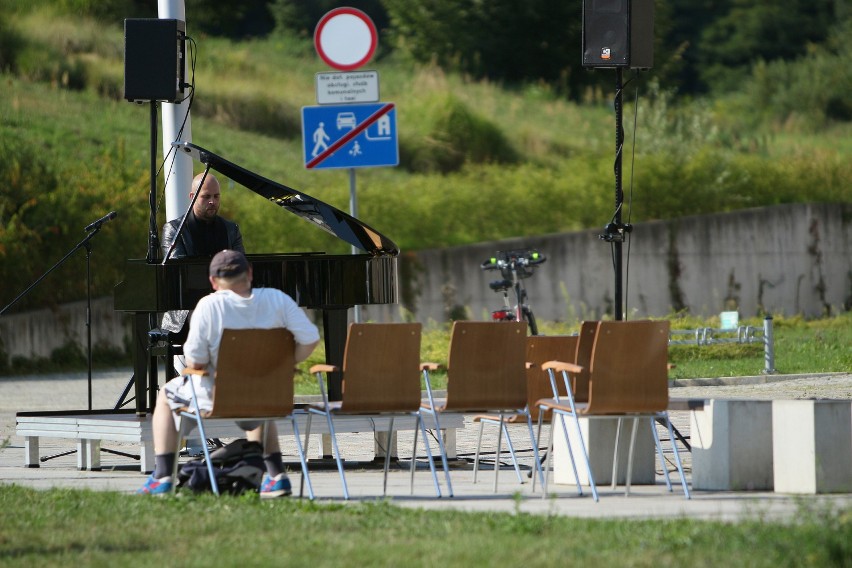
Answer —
90 429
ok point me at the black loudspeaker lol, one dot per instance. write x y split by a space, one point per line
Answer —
154 52
618 33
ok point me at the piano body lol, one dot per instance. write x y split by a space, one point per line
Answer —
330 284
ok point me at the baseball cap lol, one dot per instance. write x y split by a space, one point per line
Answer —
228 263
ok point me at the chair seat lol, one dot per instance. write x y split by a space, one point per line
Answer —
512 419
440 405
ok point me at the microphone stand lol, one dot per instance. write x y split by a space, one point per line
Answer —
82 244
85 243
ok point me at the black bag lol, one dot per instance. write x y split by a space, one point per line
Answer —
238 467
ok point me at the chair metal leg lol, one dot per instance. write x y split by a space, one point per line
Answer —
414 451
585 456
206 451
660 453
337 455
570 449
478 446
387 456
442 449
548 459
614 478
512 453
306 478
431 459
629 475
534 441
499 450
677 457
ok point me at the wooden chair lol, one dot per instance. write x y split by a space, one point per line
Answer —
540 349
627 378
486 373
253 382
381 376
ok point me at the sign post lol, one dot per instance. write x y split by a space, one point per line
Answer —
352 135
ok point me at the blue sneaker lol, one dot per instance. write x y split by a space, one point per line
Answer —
154 486
278 486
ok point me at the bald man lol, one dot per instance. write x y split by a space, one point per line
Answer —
205 232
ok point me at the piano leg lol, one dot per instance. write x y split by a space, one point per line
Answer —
144 366
334 323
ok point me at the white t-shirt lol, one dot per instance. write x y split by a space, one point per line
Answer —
265 308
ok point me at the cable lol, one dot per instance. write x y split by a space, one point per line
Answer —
630 200
191 96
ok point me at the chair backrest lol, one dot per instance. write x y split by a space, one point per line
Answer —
629 369
486 367
540 349
381 368
583 357
254 374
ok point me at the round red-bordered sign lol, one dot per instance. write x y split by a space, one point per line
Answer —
345 38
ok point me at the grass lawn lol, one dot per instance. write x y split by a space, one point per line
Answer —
84 528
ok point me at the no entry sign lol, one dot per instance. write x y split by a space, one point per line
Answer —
345 38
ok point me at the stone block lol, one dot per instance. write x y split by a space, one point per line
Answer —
812 444
599 437
732 445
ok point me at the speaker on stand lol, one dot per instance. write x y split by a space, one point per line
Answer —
154 63
618 34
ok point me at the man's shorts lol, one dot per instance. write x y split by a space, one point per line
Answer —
178 393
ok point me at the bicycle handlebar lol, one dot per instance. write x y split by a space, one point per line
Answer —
514 259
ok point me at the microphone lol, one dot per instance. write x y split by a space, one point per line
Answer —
97 224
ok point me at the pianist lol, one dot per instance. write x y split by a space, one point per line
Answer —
204 234
233 305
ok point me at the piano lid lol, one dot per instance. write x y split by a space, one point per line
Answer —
333 220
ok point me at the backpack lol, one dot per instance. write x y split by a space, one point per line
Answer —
238 467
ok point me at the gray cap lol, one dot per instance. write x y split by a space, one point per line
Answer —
228 263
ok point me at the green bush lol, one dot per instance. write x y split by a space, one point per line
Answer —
256 112
42 63
456 135
11 43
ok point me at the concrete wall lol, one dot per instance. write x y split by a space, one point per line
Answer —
783 260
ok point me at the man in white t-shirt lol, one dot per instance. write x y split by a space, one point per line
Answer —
233 305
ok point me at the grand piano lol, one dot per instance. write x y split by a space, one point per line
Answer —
328 283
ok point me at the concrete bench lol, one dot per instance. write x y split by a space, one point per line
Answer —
812 446
599 438
732 445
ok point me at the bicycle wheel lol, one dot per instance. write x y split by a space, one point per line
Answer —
530 319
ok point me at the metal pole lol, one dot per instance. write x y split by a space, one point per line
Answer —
89 319
619 141
353 210
153 239
768 347
177 126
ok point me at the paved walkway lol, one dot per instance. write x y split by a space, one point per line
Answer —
120 473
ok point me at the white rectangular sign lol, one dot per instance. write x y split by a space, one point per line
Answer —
344 87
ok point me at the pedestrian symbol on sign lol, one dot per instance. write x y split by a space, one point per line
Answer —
320 140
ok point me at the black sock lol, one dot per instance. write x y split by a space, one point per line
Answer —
274 464
163 465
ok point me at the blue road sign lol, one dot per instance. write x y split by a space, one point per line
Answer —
350 136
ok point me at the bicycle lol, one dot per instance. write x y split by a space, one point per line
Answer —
515 266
